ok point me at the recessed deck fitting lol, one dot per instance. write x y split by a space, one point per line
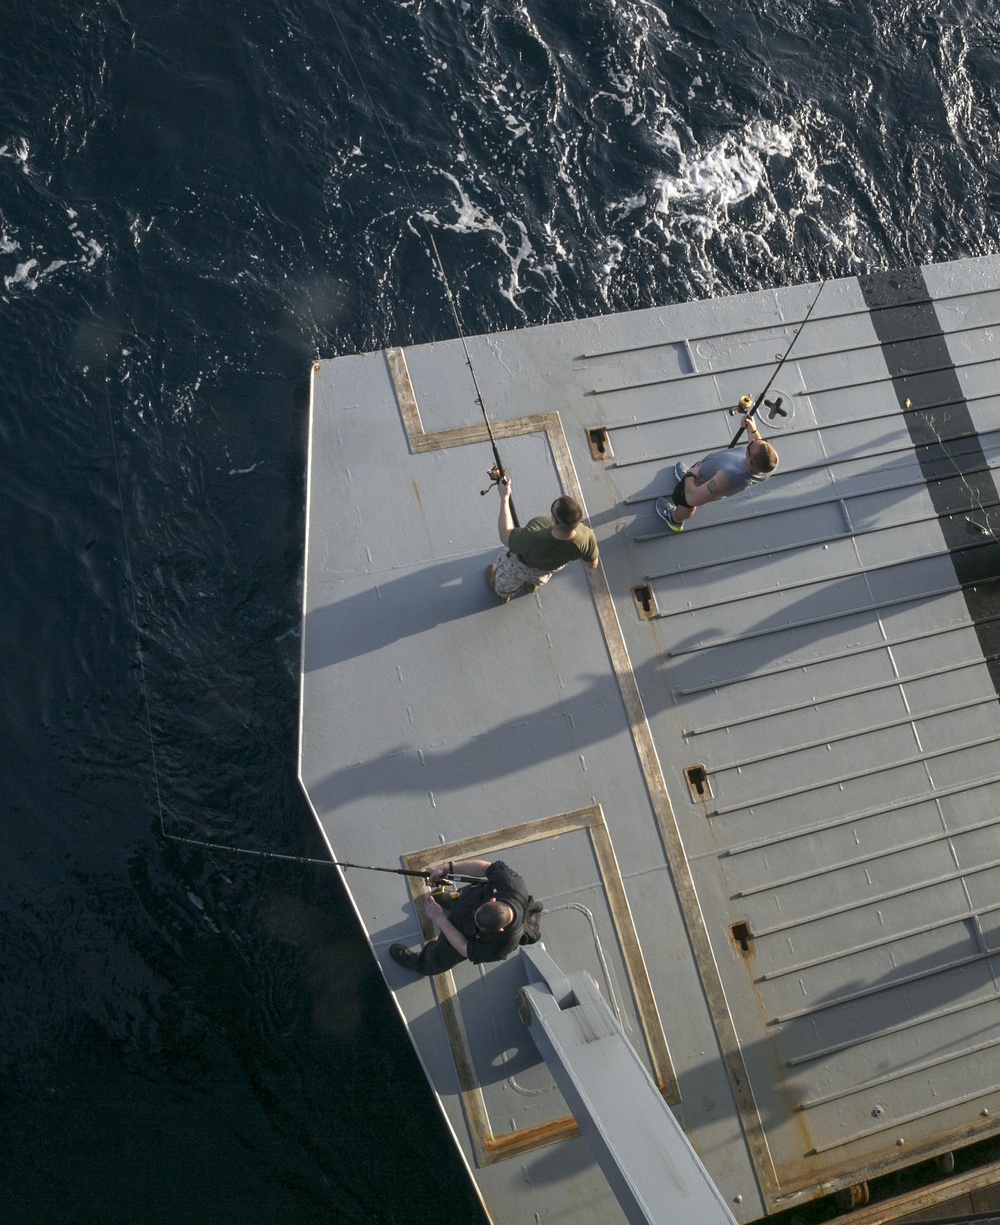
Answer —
600 443
742 937
698 783
645 601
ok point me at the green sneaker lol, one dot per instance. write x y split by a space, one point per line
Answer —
665 509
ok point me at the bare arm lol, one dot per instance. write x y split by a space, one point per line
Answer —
699 493
505 521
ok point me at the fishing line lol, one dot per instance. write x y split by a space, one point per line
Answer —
767 386
212 846
499 471
135 616
324 863
140 655
496 474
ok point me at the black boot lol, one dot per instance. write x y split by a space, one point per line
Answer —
405 957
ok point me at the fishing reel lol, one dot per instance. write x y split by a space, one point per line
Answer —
444 896
496 475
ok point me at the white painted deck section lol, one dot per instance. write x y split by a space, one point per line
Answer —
808 646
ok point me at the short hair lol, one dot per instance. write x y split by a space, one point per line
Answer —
567 512
766 457
493 916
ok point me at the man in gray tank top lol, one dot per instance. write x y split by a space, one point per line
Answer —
717 476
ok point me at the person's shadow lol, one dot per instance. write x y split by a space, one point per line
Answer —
410 602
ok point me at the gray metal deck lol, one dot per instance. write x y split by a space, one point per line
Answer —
751 769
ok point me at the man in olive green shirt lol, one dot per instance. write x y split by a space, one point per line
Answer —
536 551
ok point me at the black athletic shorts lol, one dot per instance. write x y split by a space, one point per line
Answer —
677 497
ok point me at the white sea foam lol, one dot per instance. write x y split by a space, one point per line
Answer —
30 272
22 275
17 150
731 171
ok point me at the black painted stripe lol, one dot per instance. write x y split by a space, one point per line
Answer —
945 440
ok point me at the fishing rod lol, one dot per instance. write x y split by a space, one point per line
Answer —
498 471
767 386
367 867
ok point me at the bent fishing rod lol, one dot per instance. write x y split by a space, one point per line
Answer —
498 471
752 412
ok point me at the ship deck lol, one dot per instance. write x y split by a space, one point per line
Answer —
751 769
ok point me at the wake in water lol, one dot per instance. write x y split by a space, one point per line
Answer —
634 153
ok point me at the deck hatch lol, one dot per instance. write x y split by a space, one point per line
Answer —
479 1045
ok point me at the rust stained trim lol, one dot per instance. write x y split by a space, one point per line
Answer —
406 399
443 440
517 1143
642 988
500 840
694 919
488 1147
802 1183
680 870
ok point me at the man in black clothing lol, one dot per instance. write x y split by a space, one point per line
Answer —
484 922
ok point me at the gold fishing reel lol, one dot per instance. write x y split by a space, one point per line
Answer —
496 475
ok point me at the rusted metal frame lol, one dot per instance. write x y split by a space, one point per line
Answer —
420 441
676 858
708 971
487 1146
936 1193
684 884
897 1206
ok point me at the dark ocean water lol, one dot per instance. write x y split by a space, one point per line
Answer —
196 200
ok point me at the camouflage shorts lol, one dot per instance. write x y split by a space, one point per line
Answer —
512 573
